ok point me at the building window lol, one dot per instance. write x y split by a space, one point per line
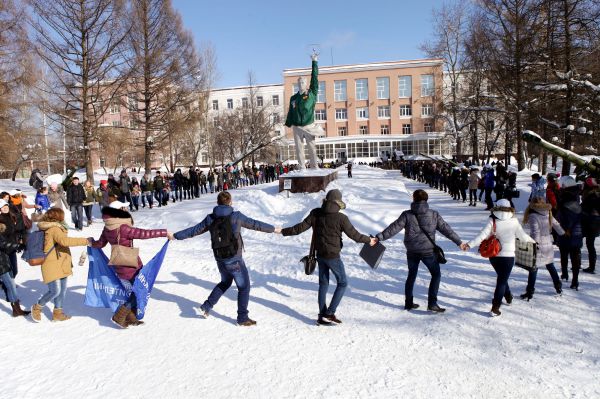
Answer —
245 102
341 114
404 86
116 123
259 101
428 127
320 115
405 110
342 131
490 126
427 110
115 107
131 102
362 113
363 129
406 129
362 89
275 99
215 122
277 132
276 118
383 88
229 103
385 129
321 93
133 124
339 90
427 85
215 105
383 111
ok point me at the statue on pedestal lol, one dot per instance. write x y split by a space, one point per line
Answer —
301 116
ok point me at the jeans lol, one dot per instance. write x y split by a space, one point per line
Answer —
56 292
211 185
10 287
533 276
147 196
473 196
14 265
88 212
159 195
589 243
337 267
136 201
430 261
503 266
131 302
575 254
77 215
232 270
203 188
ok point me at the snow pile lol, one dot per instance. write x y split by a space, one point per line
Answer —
548 347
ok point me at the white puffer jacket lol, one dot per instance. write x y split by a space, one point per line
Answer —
508 229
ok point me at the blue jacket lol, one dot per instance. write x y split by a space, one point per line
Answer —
238 220
43 201
489 179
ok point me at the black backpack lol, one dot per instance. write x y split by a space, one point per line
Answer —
224 243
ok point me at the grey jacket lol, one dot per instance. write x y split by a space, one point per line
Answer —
414 238
540 231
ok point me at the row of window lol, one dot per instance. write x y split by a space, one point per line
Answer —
384 129
361 88
259 102
383 112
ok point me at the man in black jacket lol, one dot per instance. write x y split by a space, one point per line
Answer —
328 224
418 223
75 198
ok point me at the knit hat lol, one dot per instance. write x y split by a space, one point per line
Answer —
503 203
14 192
119 204
335 195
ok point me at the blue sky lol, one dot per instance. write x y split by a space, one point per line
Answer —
266 36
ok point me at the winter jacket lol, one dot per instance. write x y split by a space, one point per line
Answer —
238 220
569 216
489 180
415 240
473 180
328 224
124 183
57 198
58 262
508 229
15 228
590 207
7 247
539 220
75 195
90 195
301 111
552 194
102 195
43 201
159 183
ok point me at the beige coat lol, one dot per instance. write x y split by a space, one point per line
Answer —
58 263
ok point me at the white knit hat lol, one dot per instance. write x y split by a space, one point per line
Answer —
118 204
503 203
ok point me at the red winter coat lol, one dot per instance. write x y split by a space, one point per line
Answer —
119 224
551 190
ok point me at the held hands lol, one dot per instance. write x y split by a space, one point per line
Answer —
170 236
374 241
277 230
464 246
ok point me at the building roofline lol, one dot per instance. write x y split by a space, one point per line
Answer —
367 67
247 87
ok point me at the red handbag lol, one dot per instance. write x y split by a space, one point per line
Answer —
491 246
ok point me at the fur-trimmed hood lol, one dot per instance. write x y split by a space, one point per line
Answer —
114 218
543 209
44 225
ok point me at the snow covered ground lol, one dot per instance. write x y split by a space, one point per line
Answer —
548 347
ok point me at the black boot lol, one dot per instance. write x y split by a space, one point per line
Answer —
527 296
409 304
508 297
495 309
558 287
590 270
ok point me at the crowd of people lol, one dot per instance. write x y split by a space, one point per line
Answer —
563 211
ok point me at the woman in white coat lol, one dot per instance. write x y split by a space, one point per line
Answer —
508 229
541 223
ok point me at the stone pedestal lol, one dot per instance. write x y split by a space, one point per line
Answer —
308 181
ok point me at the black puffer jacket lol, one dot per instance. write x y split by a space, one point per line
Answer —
6 247
75 194
329 224
414 238
15 229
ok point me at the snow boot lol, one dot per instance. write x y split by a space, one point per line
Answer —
495 310
436 309
247 323
508 297
590 270
322 322
120 316
204 313
527 296
409 304
17 311
131 320
36 313
331 317
58 315
558 287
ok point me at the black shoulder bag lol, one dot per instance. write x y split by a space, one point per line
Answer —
437 250
310 260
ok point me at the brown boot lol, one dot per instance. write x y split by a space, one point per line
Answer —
131 320
17 311
36 313
58 315
120 316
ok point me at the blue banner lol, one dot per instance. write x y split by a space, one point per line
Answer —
144 281
105 290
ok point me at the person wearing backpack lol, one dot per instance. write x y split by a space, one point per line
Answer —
57 265
225 226
506 227
6 248
420 224
119 230
328 224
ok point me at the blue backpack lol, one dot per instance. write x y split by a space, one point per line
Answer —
34 251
